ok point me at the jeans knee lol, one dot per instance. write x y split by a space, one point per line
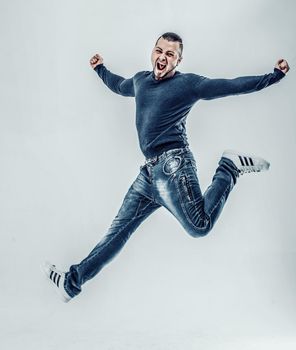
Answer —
201 230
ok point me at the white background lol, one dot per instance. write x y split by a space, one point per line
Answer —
69 151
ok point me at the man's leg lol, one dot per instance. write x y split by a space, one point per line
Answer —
234 164
136 207
179 191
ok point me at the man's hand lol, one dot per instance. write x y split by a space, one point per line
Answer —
282 65
95 61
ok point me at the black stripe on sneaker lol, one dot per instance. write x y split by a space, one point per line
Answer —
58 281
251 161
51 275
241 160
246 160
53 278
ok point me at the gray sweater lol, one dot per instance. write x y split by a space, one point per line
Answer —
163 105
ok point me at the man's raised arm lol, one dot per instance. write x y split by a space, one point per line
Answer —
116 83
214 88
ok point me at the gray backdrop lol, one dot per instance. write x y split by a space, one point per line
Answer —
69 152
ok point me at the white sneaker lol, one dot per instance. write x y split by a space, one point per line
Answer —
56 279
246 163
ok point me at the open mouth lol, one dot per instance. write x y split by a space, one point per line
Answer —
160 66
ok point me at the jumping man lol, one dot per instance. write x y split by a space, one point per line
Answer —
168 178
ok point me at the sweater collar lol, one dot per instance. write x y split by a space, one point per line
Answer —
161 80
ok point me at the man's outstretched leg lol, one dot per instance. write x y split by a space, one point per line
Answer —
135 209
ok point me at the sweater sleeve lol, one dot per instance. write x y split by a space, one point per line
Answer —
207 89
116 83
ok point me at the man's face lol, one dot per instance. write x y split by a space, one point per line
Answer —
165 57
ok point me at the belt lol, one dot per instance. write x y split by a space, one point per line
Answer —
165 154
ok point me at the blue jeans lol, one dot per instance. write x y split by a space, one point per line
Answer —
169 180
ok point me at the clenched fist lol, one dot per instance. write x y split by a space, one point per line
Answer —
95 61
282 65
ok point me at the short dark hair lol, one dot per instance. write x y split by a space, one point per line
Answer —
170 36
